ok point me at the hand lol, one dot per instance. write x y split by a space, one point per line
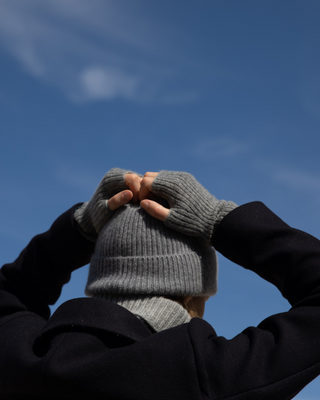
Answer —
155 209
193 210
93 215
133 181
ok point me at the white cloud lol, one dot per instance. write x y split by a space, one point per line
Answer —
92 49
103 83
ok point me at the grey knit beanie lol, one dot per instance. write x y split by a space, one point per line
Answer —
137 254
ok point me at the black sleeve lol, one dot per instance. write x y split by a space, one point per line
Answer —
255 238
35 279
280 356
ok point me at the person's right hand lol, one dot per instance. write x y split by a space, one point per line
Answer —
133 182
116 188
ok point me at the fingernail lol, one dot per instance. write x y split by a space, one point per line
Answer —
145 204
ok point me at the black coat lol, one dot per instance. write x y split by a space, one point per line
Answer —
94 349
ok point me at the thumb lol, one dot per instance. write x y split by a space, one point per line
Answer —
119 199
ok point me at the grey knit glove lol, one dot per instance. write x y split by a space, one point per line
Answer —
193 210
94 214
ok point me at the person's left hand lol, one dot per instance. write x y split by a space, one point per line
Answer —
133 181
191 209
146 197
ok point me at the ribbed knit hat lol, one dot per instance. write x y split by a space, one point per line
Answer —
137 254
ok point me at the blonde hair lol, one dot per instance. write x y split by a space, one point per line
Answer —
186 304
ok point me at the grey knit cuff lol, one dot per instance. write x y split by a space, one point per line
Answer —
160 313
193 210
223 209
84 224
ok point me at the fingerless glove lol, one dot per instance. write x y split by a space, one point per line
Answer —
94 214
193 210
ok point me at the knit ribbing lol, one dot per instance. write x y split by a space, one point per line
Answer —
160 313
137 254
193 210
93 215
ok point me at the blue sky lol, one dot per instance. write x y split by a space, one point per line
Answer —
226 90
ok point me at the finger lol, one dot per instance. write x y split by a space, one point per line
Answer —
119 199
133 181
146 186
151 174
145 189
155 209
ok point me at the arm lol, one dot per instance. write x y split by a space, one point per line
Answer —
280 356
255 238
35 279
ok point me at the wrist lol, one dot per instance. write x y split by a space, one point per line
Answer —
193 210
84 222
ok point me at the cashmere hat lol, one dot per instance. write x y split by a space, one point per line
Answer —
136 254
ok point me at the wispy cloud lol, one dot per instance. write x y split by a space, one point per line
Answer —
218 147
91 49
310 95
298 180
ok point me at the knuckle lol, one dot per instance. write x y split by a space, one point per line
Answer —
136 179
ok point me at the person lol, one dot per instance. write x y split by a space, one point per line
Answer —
140 335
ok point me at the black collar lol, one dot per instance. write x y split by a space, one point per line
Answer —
91 314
